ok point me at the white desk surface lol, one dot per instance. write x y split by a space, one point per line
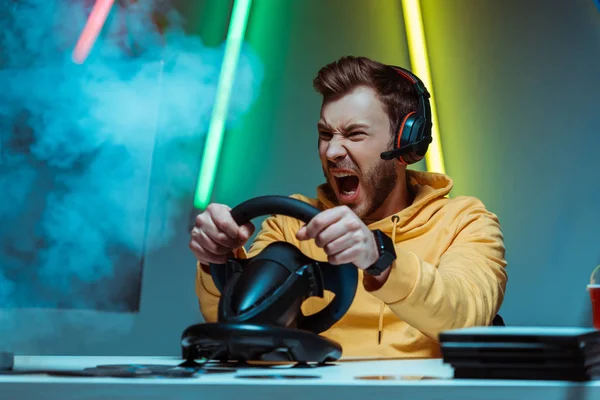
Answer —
334 382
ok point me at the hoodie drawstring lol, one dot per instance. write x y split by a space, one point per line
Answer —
395 219
381 309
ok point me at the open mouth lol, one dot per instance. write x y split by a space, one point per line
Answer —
347 183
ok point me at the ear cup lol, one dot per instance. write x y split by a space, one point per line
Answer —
409 133
414 133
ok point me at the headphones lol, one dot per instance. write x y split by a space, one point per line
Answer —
413 136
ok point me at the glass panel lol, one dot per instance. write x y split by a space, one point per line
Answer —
77 149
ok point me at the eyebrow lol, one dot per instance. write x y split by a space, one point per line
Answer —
351 127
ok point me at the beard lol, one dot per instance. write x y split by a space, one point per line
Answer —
376 184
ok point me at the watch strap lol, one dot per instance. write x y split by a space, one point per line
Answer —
387 253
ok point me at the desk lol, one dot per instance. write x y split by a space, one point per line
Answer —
334 382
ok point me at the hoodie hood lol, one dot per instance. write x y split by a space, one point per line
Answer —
429 191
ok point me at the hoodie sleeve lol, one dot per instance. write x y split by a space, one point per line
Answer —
466 287
207 292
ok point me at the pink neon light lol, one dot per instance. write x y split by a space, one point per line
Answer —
91 30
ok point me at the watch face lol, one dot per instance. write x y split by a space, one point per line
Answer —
388 259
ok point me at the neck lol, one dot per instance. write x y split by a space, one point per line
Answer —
399 198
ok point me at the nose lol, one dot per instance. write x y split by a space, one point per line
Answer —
335 150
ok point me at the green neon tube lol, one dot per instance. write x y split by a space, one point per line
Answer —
214 139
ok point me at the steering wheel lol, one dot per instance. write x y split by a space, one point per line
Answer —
270 287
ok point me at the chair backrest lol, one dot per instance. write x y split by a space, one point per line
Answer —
498 321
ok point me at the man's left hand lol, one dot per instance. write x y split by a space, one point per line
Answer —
343 237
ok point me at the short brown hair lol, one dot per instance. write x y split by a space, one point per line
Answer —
397 93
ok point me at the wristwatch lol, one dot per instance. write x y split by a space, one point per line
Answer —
387 253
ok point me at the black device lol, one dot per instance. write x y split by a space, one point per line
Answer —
540 353
259 314
413 136
387 253
7 361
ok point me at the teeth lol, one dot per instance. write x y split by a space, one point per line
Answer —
342 174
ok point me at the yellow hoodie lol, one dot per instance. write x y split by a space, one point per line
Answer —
449 272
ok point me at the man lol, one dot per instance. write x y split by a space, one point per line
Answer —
449 270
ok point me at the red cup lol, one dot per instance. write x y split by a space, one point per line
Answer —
594 290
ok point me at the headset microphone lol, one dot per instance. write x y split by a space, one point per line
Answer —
413 136
418 148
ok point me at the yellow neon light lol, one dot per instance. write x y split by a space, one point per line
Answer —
417 47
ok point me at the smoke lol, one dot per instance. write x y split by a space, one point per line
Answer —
97 161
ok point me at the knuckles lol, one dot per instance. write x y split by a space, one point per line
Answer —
353 224
319 241
360 238
345 209
212 207
316 225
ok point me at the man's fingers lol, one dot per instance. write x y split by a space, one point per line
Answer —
301 234
246 231
346 256
225 223
212 231
322 221
216 234
330 234
223 220
222 239
212 246
206 257
339 244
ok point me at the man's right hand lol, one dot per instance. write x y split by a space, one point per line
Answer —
215 235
